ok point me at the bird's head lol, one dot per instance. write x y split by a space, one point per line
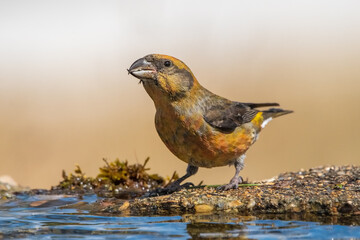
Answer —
163 76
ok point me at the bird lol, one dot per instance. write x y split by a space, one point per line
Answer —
198 126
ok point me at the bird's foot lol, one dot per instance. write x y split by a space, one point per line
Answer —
233 184
177 187
174 187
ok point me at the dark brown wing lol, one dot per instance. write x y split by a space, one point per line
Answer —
256 105
227 116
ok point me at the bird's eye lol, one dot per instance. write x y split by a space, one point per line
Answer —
167 63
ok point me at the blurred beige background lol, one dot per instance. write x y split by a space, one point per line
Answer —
66 98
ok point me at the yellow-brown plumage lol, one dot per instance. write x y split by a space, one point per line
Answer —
199 127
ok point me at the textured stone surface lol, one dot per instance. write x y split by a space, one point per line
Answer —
327 191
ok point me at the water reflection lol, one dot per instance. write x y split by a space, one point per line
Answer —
44 217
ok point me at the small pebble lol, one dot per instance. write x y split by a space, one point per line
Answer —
203 208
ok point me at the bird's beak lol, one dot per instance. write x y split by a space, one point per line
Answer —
142 69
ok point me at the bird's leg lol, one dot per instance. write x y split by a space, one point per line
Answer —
175 186
236 180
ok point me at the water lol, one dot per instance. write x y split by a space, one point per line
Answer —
42 217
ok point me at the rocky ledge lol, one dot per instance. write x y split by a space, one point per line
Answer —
8 187
321 191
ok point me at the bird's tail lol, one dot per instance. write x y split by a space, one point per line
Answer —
257 105
275 112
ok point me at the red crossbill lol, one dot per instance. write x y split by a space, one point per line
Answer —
198 126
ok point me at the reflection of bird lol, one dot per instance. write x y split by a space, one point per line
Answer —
199 127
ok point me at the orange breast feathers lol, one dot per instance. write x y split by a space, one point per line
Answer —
191 139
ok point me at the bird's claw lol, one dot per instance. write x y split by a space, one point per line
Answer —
169 189
233 184
177 187
186 185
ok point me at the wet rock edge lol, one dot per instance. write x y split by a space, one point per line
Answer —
326 191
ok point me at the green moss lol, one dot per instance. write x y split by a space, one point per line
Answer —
115 179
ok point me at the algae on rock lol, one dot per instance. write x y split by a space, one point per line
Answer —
116 179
